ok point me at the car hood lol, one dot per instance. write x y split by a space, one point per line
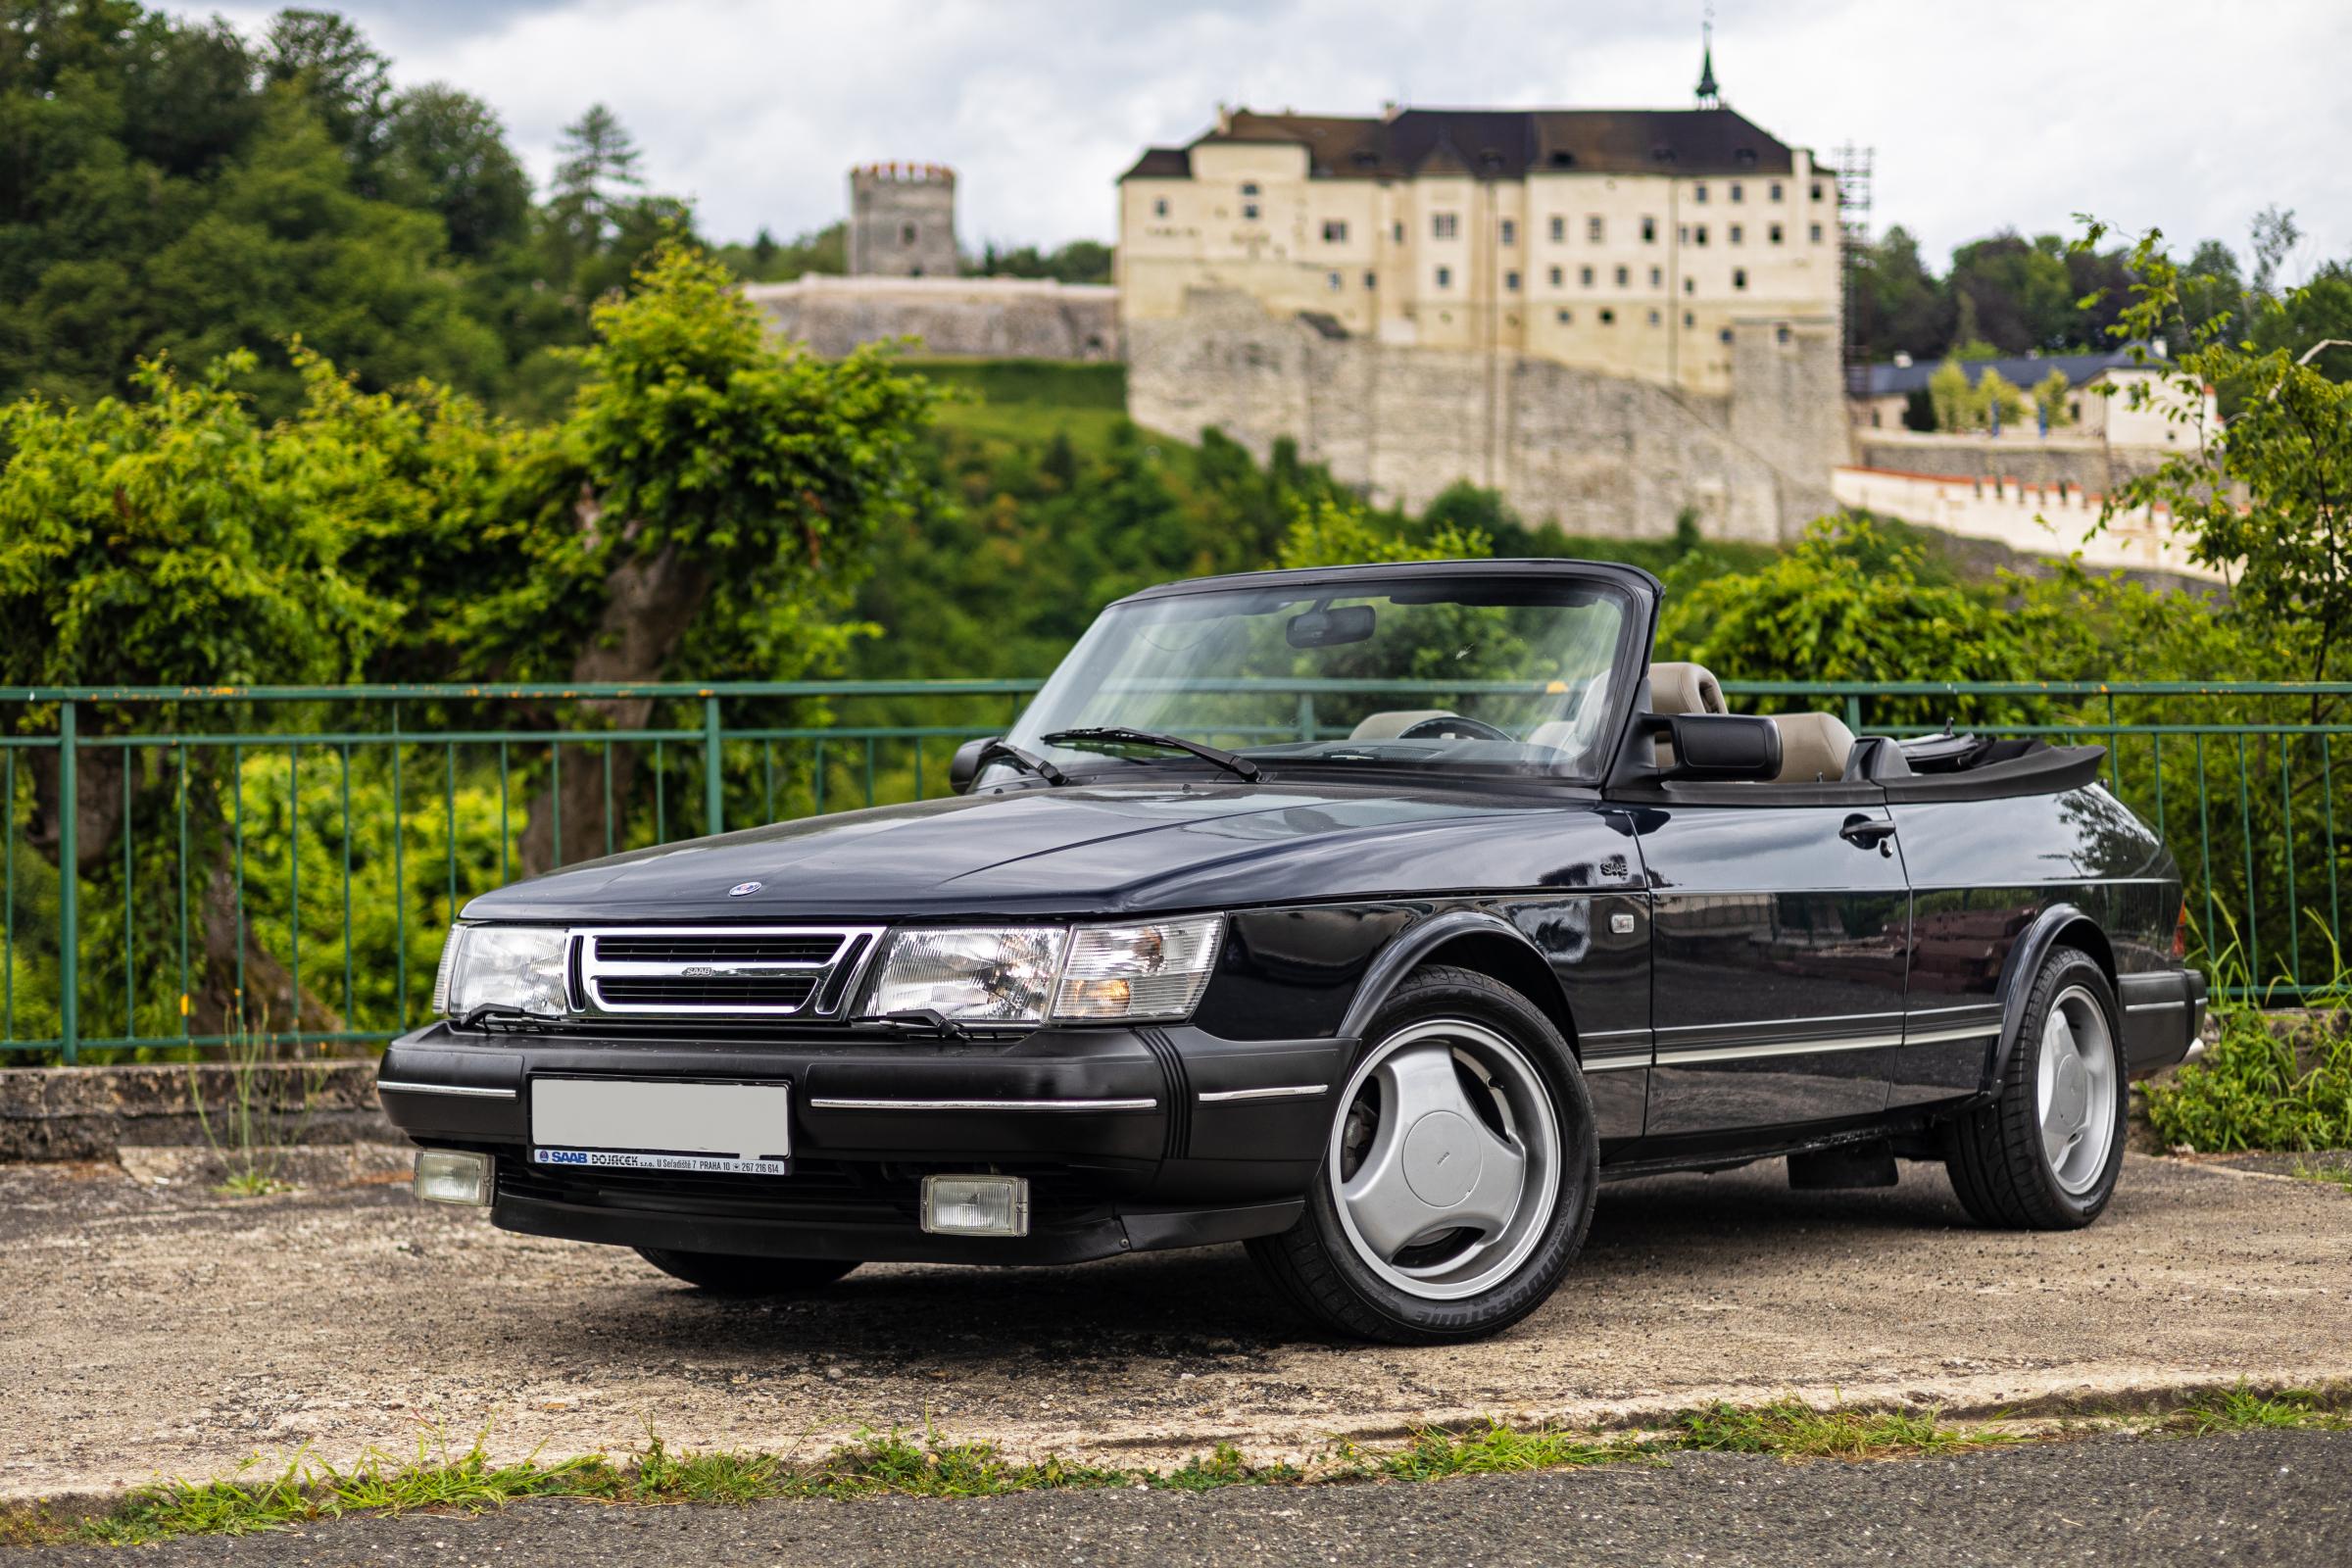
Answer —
1087 849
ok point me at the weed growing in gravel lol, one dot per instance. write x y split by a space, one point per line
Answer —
2259 1088
1228 1466
1797 1431
1498 1449
2245 1409
2334 1176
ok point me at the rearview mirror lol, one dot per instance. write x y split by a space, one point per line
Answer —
964 765
1720 746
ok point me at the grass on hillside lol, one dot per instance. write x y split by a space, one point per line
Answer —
257 1498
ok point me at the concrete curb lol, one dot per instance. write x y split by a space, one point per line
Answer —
93 1112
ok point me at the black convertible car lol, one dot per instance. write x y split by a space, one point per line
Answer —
1370 916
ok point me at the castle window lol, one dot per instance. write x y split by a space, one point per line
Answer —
1775 233
1371 281
1780 334
1625 276
1510 232
1510 281
1817 190
1690 318
1564 315
1445 277
1608 318
906 233
1250 211
1248 187
1816 234
1397 232
1739 277
1657 277
1160 207
1776 191
1739 234
1698 192
1445 225
1584 276
1689 285
1738 192
1594 229
1557 277
1332 280
1649 231
1724 334
1699 234
1335 231
1560 229
1745 156
1683 233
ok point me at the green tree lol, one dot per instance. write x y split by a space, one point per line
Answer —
1952 397
446 151
2053 400
2017 290
2262 498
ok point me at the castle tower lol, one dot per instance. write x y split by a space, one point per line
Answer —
902 221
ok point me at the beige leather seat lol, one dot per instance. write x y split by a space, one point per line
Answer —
1680 688
1814 748
1388 726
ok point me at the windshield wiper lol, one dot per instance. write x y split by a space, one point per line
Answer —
1026 762
1241 766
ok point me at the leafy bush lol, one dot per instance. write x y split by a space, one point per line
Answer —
2262 1088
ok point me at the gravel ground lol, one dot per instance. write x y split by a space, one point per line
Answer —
163 1330
2281 1497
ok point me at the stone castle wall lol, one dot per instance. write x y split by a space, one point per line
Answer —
902 221
1599 454
958 317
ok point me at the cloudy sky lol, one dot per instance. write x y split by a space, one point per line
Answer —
1985 114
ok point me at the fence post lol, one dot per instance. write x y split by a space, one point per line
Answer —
69 918
715 794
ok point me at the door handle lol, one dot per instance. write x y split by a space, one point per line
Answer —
1866 831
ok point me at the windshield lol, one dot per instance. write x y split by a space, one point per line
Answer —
1495 673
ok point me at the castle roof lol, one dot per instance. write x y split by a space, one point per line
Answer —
1498 143
1893 380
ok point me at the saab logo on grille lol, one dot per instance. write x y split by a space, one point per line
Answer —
744 890
725 971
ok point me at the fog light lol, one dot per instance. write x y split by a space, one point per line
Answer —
976 1205
453 1176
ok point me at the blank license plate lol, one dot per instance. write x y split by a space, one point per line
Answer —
609 1122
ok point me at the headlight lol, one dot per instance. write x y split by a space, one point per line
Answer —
1137 971
1001 976
511 968
1022 974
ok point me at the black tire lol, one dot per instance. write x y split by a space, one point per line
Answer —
727 1274
1996 1153
1318 1267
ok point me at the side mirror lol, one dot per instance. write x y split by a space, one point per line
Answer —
964 765
1719 745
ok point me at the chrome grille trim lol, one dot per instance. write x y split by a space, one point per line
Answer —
829 992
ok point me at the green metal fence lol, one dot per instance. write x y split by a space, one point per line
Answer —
280 862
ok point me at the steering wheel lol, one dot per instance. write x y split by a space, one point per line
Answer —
1455 727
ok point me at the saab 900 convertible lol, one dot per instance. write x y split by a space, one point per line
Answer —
1370 916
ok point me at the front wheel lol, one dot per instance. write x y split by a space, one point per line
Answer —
1458 1177
2045 1155
729 1274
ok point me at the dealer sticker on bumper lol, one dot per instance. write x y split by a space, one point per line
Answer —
639 1159
700 1128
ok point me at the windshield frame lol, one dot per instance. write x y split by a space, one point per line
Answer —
1639 590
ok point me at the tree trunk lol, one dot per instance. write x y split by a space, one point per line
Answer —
649 604
98 806
268 1002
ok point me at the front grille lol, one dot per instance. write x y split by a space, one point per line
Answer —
780 990
816 946
720 972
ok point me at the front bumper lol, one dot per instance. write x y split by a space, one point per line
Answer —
1132 1138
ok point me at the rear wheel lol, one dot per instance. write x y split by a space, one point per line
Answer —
1458 1177
2045 1155
729 1274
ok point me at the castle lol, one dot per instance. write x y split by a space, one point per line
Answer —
1613 316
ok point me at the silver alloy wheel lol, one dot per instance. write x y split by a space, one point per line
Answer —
2075 1089
1444 1158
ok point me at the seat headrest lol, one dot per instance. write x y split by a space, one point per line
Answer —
1388 723
1678 688
1813 747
